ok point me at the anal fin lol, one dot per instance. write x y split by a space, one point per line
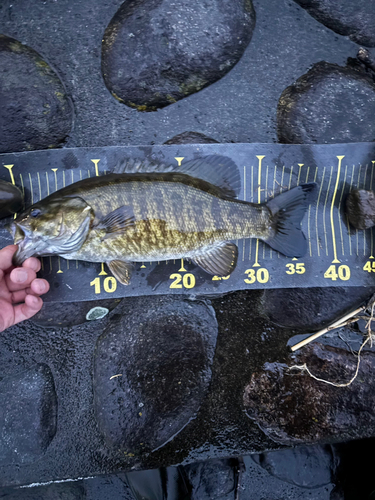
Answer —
122 271
218 260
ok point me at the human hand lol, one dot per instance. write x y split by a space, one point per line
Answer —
19 289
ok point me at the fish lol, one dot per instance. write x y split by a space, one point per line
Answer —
147 211
11 199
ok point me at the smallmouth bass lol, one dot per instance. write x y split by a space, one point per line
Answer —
147 212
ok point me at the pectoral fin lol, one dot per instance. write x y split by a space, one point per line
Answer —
219 260
117 221
121 270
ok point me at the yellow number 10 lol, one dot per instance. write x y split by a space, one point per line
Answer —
109 284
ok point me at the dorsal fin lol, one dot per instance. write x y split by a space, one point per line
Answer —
215 169
137 166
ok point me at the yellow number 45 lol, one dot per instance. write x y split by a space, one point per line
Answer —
369 266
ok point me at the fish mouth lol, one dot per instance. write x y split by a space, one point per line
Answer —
28 246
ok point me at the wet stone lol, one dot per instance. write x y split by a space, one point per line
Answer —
156 52
304 466
35 112
11 199
311 309
59 315
28 414
348 18
328 104
291 407
214 479
191 138
152 369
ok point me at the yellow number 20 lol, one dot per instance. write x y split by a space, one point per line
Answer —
188 280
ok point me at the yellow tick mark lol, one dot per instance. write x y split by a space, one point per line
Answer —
260 158
102 272
95 162
179 159
54 170
335 260
182 269
9 167
299 172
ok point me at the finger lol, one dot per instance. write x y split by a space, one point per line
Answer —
32 263
6 255
1 274
27 310
19 296
20 278
39 286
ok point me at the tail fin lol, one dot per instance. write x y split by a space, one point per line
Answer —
287 211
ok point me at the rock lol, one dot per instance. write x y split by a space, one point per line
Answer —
311 309
63 491
291 407
360 208
304 466
156 52
214 479
328 104
11 199
35 112
352 19
152 369
59 315
28 415
191 138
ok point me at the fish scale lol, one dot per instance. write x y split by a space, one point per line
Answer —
152 239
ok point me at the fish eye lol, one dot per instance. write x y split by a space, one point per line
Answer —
35 212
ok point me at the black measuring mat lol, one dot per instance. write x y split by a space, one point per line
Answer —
337 254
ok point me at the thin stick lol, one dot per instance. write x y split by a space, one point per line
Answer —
334 325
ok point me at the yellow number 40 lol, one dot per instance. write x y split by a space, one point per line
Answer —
342 272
